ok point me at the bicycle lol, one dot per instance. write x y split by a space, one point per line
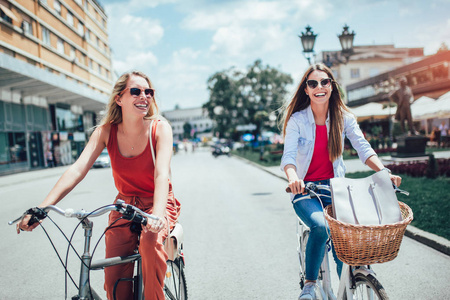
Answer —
356 282
175 281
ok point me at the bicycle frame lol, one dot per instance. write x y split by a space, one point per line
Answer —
347 281
85 291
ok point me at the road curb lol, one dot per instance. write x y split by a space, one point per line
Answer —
429 239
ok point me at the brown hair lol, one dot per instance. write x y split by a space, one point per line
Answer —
113 110
336 108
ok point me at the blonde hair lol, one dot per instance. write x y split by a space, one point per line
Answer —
114 111
336 109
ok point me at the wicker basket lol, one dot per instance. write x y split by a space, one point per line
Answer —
358 245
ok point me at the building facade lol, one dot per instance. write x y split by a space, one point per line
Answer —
368 61
428 77
55 77
194 118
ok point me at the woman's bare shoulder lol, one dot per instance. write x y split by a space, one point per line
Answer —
102 133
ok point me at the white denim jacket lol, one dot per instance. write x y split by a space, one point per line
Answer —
300 137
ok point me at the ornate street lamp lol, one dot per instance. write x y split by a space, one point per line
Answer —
346 38
308 39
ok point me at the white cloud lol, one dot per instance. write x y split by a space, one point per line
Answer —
214 17
138 32
150 3
135 61
236 40
183 80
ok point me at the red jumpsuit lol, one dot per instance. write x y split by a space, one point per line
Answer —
134 179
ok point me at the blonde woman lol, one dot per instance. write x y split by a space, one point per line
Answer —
315 123
140 181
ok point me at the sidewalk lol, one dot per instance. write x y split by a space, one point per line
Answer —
355 165
24 177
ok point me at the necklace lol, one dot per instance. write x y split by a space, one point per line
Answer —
127 140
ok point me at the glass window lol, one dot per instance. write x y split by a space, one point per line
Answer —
46 36
80 28
57 7
60 46
72 52
4 149
354 73
68 121
79 2
70 18
26 27
5 17
17 147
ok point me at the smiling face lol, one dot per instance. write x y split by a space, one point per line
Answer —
320 94
136 105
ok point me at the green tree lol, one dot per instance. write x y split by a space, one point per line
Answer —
253 97
222 104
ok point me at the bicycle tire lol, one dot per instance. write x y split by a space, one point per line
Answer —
368 284
175 287
301 256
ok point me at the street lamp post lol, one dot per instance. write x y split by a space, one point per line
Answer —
346 38
308 39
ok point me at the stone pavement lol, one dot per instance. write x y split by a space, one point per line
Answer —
355 165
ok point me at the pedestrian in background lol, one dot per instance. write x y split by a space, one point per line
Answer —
443 129
140 181
315 123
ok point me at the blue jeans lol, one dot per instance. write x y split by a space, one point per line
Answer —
311 213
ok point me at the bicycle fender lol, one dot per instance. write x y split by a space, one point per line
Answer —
364 271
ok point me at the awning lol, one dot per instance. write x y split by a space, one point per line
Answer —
28 80
9 13
372 111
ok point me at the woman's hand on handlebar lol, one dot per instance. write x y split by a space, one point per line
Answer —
23 224
296 186
154 226
397 180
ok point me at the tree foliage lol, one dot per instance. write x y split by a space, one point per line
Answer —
246 97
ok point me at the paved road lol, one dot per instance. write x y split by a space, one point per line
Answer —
239 236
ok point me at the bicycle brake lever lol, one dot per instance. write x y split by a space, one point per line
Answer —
397 190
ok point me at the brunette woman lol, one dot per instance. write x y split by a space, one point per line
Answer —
315 123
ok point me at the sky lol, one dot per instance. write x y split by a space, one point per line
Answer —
179 44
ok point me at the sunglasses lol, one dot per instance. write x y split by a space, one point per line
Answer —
312 84
136 92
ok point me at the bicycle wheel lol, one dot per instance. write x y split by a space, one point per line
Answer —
302 240
368 287
175 282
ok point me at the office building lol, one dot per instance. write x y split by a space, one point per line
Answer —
55 77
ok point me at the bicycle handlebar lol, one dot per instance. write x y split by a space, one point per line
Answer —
129 212
311 188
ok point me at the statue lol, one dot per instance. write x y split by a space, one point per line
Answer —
404 98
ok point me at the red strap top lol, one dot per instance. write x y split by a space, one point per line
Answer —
321 167
133 176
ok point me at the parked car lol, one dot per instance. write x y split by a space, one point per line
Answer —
103 160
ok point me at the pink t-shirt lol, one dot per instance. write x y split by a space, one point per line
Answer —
321 167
